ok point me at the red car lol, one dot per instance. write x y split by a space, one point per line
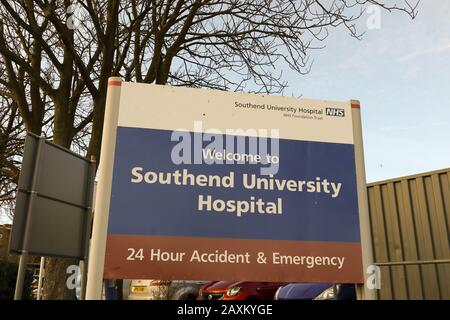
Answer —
238 290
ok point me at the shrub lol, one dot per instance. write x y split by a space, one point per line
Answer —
8 274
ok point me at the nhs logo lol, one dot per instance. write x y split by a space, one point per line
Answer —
335 112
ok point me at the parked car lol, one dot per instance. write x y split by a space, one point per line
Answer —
164 290
338 292
316 291
238 290
301 291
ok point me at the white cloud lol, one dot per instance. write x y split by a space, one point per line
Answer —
412 127
426 51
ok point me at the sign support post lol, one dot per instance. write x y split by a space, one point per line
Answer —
100 224
41 275
85 262
26 235
21 276
363 292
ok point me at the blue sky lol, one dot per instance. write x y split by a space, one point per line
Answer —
401 75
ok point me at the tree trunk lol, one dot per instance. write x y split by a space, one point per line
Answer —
55 281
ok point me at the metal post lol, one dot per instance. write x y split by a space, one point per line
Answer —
41 274
83 274
28 223
363 291
100 225
88 227
21 275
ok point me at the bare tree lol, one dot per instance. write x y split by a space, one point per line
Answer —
11 143
56 57
11 146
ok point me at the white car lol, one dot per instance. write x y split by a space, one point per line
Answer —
164 290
